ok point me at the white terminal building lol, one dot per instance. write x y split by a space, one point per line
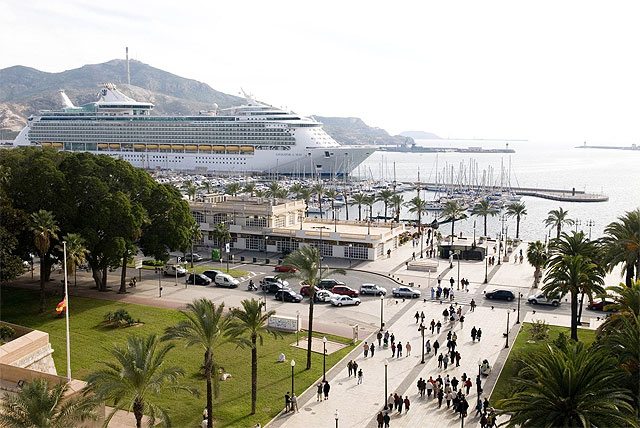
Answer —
280 226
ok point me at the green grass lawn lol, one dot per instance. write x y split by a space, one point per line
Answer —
521 347
90 341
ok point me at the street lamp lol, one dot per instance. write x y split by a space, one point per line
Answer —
386 363
479 365
519 296
486 263
324 358
381 312
577 223
457 253
293 364
297 327
506 342
321 228
589 224
422 332
336 415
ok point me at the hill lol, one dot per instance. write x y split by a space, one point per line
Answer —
420 135
353 130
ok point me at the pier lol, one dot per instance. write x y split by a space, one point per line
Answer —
563 195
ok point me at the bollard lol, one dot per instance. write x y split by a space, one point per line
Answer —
241 258
255 260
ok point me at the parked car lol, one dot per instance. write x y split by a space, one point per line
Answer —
345 291
171 270
345 301
405 292
212 273
273 287
376 290
196 257
304 290
273 280
225 280
540 299
323 296
289 296
499 294
199 279
599 304
328 284
284 269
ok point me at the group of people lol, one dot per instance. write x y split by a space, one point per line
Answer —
322 390
291 402
352 366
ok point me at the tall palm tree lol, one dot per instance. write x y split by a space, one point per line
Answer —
622 245
517 210
249 188
359 199
484 209
626 302
206 185
558 218
233 189
276 191
573 274
572 387
332 194
137 378
45 228
371 199
207 328
397 200
250 321
537 257
305 194
418 206
222 235
318 189
260 193
76 253
191 188
385 197
195 234
295 189
455 211
306 261
345 195
38 405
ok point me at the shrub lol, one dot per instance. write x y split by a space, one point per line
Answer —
561 341
6 332
539 330
153 263
120 318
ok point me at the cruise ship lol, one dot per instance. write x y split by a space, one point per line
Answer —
252 138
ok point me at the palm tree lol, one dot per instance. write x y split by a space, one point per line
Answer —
207 328
484 209
233 189
295 189
260 193
397 200
137 378
76 253
453 210
558 218
306 261
275 191
37 405
222 235
359 199
332 194
318 189
572 274
371 199
622 245
626 302
206 185
45 228
345 195
191 188
419 206
572 387
249 188
537 257
250 321
517 210
305 194
385 197
196 234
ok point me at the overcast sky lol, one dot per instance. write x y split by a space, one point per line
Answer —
541 70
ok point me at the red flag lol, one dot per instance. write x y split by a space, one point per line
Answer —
61 306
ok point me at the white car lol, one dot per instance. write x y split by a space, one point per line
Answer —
172 270
324 296
405 292
376 290
345 301
540 299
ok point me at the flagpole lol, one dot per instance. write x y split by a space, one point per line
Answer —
66 297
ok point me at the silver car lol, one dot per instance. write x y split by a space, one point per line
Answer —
540 299
376 290
324 296
405 292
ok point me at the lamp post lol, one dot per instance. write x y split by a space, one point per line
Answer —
474 233
519 296
457 254
336 415
350 254
590 224
265 248
386 363
297 327
486 263
506 342
293 364
324 358
321 228
422 332
479 365
381 312
578 222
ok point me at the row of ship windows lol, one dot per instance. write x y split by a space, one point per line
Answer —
165 134
164 158
113 135
157 129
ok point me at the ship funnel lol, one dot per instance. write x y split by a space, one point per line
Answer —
65 99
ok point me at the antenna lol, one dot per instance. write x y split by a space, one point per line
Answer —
128 74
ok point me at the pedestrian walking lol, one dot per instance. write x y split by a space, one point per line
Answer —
393 350
350 367
326 388
485 404
440 361
417 316
379 336
473 305
422 317
458 357
294 403
451 295
478 385
433 292
474 332
461 322
287 402
400 404
355 368
386 336
387 419
451 281
372 349
440 397
445 360
399 349
483 421
366 349
319 391
467 384
407 403
454 383
479 334
407 346
438 327
447 381
413 256
478 407
436 345
393 338
445 314
391 401
380 419
450 396
432 324
359 377
439 279
429 386
419 385
428 346
395 400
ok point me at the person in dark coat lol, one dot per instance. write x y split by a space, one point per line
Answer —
380 419
326 388
387 419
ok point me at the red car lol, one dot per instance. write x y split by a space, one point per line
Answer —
284 269
345 291
599 304
304 290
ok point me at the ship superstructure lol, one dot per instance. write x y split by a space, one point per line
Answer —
254 138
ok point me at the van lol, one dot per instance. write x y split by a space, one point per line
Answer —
173 270
224 280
